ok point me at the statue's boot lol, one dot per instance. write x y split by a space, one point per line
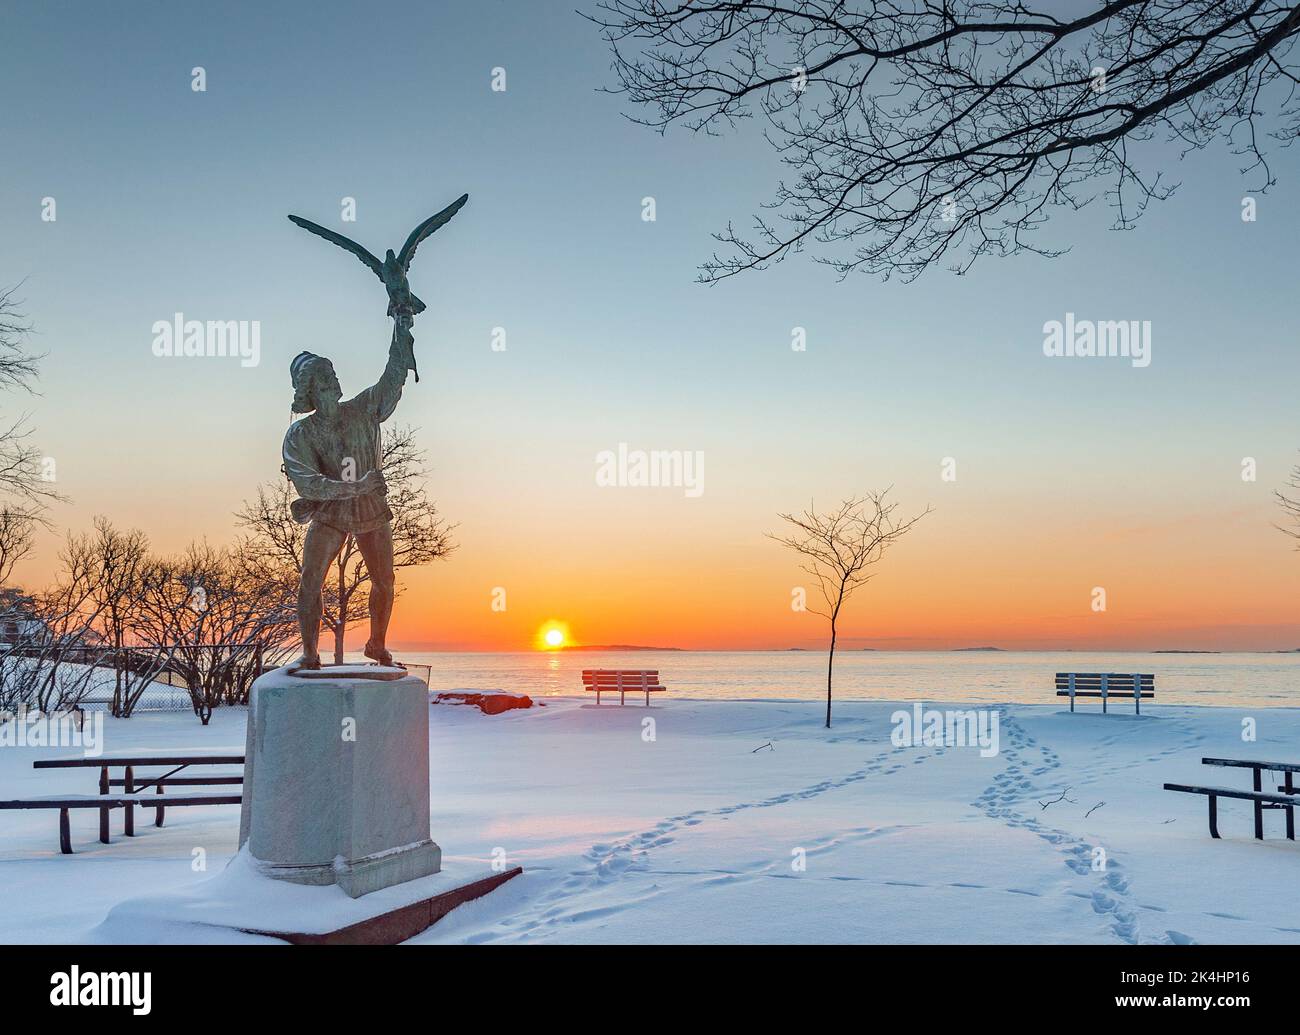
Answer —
379 654
307 661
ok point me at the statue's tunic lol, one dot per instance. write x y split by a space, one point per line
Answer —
315 454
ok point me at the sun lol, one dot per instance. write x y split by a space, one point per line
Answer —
553 635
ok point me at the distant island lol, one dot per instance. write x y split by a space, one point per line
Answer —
615 646
957 649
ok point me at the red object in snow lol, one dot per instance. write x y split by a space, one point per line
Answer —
488 703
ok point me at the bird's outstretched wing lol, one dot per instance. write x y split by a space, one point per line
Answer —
426 228
342 242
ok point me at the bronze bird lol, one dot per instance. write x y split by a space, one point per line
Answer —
393 269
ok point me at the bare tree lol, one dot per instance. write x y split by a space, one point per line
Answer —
17 536
839 548
115 562
1291 506
420 535
22 471
212 619
917 129
50 631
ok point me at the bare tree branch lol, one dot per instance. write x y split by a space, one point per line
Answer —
920 131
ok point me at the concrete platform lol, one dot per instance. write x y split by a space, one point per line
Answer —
242 904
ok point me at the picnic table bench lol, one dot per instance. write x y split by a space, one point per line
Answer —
133 787
1285 798
611 680
1106 685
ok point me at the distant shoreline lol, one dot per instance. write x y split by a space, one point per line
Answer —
607 647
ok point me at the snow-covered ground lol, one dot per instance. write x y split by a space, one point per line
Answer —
694 831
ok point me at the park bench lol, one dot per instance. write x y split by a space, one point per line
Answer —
1285 798
1106 685
609 680
133 787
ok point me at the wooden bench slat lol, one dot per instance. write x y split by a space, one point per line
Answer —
116 801
136 760
177 781
1233 792
1281 767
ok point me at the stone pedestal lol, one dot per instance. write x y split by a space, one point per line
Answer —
336 779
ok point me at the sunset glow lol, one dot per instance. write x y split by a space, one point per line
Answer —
552 636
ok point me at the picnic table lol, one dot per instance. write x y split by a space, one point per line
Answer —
133 785
1285 798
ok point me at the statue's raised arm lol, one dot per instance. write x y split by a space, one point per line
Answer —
382 397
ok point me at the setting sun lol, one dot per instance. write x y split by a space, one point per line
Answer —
552 635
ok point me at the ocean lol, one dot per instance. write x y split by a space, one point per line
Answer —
1238 680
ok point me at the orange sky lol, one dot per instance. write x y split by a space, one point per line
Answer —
1209 581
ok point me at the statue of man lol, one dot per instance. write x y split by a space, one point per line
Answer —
333 457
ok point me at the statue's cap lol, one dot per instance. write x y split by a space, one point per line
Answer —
298 366
299 369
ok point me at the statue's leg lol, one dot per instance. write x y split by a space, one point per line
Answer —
377 551
319 549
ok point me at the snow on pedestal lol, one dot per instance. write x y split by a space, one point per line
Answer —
336 779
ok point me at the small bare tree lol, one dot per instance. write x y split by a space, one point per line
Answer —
839 548
420 535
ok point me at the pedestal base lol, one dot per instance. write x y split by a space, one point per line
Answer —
394 926
241 905
361 876
336 780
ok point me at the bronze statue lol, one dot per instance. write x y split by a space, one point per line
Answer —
334 457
